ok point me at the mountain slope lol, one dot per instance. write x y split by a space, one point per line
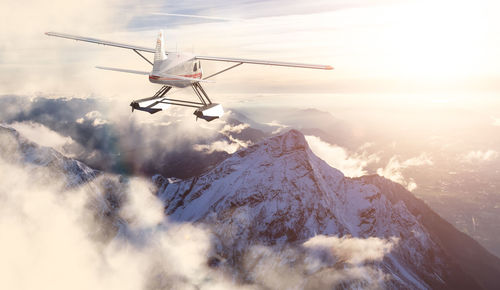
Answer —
278 192
468 253
16 148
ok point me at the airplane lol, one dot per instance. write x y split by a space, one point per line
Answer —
179 70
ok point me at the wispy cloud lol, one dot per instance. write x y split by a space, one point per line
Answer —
279 127
351 164
234 129
478 156
44 136
221 145
231 145
352 250
94 117
394 169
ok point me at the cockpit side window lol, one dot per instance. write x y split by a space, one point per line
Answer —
195 67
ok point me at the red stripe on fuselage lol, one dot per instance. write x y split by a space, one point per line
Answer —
198 75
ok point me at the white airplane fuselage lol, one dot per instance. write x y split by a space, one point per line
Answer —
178 64
174 69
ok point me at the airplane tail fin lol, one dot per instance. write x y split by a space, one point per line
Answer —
160 48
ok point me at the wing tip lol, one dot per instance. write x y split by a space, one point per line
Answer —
329 67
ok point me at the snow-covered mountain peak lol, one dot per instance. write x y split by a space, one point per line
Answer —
288 142
278 192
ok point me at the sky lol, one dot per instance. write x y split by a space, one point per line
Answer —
379 46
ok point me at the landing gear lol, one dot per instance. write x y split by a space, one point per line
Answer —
152 102
200 92
208 111
205 109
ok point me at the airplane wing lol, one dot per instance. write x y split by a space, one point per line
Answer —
209 58
99 41
124 70
264 62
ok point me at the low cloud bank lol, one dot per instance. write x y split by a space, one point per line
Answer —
108 234
106 136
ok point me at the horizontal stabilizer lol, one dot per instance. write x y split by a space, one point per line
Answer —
124 70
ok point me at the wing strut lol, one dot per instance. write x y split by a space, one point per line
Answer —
219 72
142 56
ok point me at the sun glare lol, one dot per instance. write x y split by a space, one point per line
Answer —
440 40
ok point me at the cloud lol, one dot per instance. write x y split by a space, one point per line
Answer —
108 137
94 117
479 156
231 145
322 262
221 145
44 136
108 234
351 250
394 169
279 127
351 164
234 129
